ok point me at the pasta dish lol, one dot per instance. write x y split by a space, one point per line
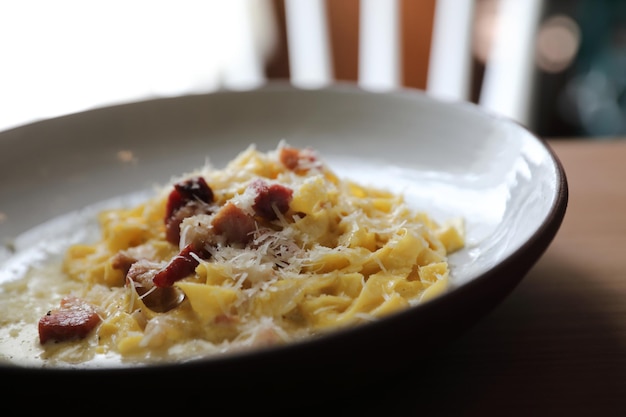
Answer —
272 248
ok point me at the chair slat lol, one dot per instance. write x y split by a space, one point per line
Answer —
379 45
307 43
449 64
247 24
509 71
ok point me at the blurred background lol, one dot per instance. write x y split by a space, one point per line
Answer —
64 56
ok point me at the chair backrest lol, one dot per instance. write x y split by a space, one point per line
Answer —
204 45
508 77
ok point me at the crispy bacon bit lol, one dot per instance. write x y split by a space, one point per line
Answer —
159 299
289 157
233 224
74 319
191 189
270 198
188 197
197 231
297 160
172 225
181 266
122 261
141 273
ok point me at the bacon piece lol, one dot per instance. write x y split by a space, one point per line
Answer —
122 261
74 319
233 224
198 231
270 198
289 157
191 189
141 274
172 225
188 197
297 160
181 266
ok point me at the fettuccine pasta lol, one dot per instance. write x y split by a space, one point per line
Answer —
272 248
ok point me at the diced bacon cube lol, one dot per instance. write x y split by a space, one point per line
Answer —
74 319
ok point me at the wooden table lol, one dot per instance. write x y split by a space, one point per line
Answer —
556 346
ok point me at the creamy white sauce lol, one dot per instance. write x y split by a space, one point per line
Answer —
31 283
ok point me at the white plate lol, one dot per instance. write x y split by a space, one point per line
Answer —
450 159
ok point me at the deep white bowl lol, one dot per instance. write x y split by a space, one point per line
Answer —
450 159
